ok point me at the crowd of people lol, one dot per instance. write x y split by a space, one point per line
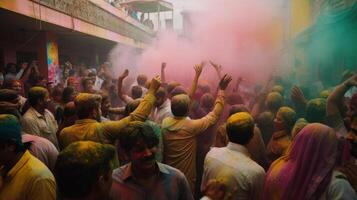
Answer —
94 136
132 13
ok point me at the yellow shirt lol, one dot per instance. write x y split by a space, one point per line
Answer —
180 139
28 179
104 132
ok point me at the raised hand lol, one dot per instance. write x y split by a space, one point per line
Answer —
24 65
163 65
297 95
198 69
223 84
216 66
155 84
124 74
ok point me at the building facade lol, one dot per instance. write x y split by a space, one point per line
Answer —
56 31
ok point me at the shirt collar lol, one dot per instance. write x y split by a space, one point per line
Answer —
129 173
39 115
19 165
165 104
239 148
85 121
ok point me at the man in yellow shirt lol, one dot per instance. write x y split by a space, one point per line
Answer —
22 175
180 132
88 127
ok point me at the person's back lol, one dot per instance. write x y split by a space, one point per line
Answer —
42 149
29 179
23 175
180 132
232 164
239 172
180 146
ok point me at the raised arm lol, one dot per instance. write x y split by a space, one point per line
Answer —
298 98
333 116
26 74
258 106
336 97
236 88
198 69
121 78
141 113
211 118
163 76
218 69
19 74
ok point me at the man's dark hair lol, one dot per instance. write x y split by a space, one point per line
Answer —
85 103
207 101
136 92
238 108
8 66
57 91
178 90
316 110
35 94
141 79
137 132
161 93
80 165
240 128
180 105
66 94
69 111
8 95
85 81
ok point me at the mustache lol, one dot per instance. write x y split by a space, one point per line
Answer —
148 158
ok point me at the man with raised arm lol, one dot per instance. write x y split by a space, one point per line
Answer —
88 125
180 132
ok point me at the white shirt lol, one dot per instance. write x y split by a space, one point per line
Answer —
98 83
44 125
232 164
339 188
160 113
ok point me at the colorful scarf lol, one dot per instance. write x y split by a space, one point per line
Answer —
305 171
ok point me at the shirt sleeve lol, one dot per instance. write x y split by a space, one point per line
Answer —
200 125
340 188
42 189
127 99
19 74
185 191
29 126
258 185
141 113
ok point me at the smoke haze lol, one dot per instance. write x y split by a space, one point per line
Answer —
245 37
